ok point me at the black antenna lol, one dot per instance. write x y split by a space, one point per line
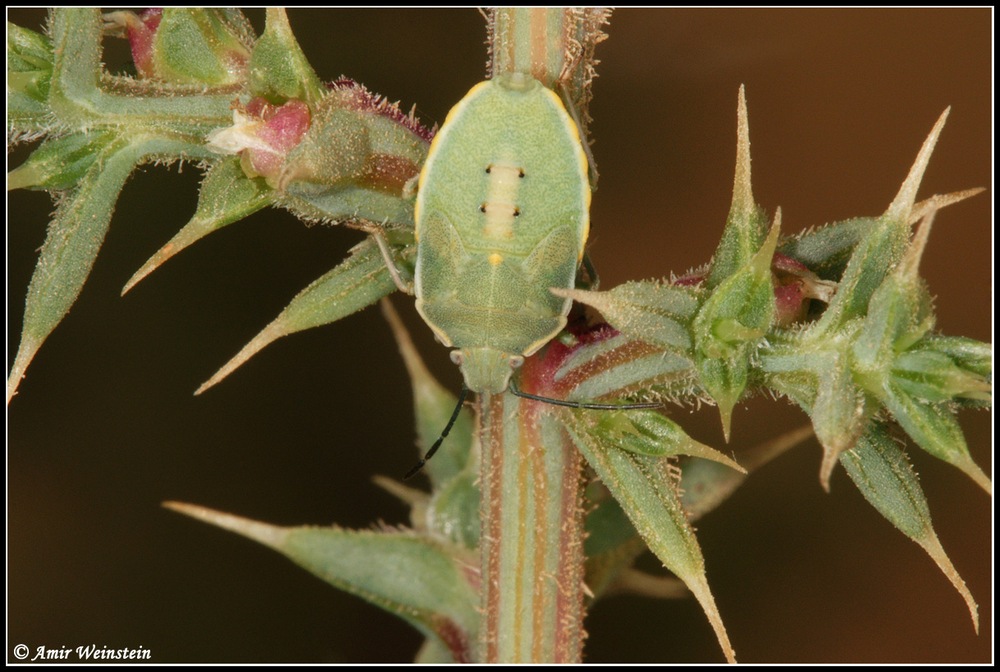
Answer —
437 444
627 406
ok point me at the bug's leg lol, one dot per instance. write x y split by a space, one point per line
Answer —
587 277
390 263
437 444
584 142
624 406
563 90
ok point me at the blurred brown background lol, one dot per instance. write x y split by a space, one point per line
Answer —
105 427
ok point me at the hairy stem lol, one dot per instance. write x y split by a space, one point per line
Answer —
532 543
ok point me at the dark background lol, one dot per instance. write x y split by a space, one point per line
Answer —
104 428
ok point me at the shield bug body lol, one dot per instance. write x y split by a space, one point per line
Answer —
502 215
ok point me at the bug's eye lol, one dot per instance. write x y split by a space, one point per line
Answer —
516 361
456 357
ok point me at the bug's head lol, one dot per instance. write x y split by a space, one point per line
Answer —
485 369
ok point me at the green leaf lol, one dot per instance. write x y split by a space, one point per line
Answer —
741 309
27 51
903 204
879 468
200 46
612 543
357 282
422 582
893 322
75 235
840 411
649 311
646 432
453 511
873 258
969 378
279 70
60 163
826 250
746 225
617 366
647 492
934 428
731 322
880 249
227 195
433 405
971 355
29 72
933 376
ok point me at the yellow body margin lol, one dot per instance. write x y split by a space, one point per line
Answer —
432 151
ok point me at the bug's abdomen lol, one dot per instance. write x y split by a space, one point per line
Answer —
493 299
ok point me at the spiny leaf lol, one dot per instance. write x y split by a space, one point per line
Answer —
883 475
646 432
60 163
746 225
648 495
611 544
433 406
877 253
899 314
879 250
932 375
649 311
29 71
903 203
416 579
75 235
971 357
453 512
934 428
839 413
827 249
202 46
939 201
279 70
28 51
619 367
731 322
359 281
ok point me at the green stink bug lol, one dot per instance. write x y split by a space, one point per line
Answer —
502 215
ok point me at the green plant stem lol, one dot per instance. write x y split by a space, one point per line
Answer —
78 96
532 517
532 541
